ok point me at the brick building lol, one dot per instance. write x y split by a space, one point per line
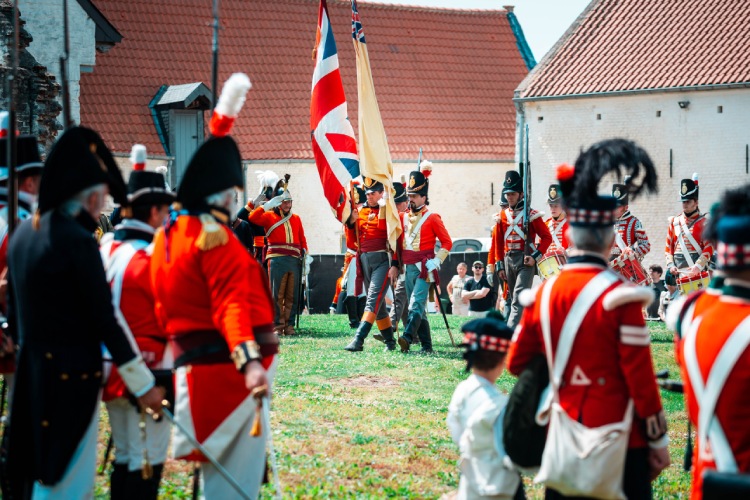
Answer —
444 80
672 75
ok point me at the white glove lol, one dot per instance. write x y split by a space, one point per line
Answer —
272 203
306 266
258 200
432 264
490 279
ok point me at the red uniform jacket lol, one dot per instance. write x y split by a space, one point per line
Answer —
719 316
633 235
287 238
610 361
558 232
507 234
418 244
373 231
137 306
695 224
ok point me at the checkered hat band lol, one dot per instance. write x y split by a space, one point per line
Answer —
585 216
486 342
733 255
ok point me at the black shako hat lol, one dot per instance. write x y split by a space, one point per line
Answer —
216 166
400 195
513 182
418 183
620 194
359 195
371 185
689 188
28 161
148 188
78 160
554 193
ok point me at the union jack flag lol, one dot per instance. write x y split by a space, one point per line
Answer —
333 142
357 31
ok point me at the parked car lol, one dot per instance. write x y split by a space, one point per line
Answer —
461 245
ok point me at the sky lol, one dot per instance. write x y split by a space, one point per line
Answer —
543 21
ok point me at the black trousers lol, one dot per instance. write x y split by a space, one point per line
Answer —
636 481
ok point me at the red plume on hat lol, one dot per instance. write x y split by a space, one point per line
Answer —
695 178
138 157
230 103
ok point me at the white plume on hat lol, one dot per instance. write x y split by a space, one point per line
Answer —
267 178
138 154
425 164
233 94
162 169
695 177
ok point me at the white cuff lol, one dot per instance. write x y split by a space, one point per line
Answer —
662 442
137 376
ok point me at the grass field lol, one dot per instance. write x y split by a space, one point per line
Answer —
372 424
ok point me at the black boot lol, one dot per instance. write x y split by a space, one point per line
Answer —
146 489
118 482
425 337
390 342
357 344
412 327
350 304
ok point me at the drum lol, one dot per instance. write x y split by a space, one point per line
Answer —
551 264
692 282
631 269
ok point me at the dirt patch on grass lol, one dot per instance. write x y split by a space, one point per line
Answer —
369 381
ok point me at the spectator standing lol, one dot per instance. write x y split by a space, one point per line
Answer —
657 285
477 290
456 287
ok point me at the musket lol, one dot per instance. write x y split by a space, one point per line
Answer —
64 90
445 318
215 53
207 454
526 196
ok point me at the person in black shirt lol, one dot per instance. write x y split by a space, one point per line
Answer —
657 285
477 290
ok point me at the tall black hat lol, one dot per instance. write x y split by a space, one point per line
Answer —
359 195
371 185
485 334
215 167
148 188
580 183
689 188
513 182
78 160
554 193
620 193
400 195
28 161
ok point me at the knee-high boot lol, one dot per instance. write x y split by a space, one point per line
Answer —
350 304
425 337
357 344
146 489
118 482
390 342
412 327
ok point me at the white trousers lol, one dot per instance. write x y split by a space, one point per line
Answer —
244 459
124 419
78 480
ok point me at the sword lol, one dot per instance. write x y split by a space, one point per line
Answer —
440 306
225 473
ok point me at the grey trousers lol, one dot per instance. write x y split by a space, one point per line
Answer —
278 268
520 277
417 291
400 308
375 267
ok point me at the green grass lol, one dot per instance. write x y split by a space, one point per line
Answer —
372 424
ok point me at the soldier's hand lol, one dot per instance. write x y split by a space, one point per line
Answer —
658 460
151 401
258 201
528 260
393 275
502 275
674 272
255 375
272 203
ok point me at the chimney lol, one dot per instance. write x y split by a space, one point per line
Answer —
509 8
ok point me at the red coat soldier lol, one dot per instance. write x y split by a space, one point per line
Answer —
212 300
558 222
631 242
687 250
603 314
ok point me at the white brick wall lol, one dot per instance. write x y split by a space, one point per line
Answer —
701 139
459 192
44 21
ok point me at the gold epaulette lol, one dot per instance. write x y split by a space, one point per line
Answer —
212 235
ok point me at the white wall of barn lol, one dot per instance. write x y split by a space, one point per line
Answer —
461 192
710 136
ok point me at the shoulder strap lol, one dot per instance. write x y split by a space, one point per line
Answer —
282 221
590 294
708 395
684 232
415 231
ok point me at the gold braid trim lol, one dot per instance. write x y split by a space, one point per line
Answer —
212 235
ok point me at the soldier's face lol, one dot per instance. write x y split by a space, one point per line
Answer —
555 210
373 198
620 210
513 198
689 206
416 201
401 206
286 206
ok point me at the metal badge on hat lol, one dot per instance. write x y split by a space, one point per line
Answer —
412 181
684 188
553 192
617 193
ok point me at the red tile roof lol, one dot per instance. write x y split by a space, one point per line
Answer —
444 78
626 45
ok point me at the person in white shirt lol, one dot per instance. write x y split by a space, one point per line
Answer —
475 414
455 287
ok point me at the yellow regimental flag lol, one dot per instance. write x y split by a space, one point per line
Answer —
374 155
